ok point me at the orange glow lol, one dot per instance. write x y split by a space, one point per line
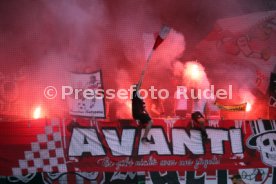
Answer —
248 107
128 104
37 113
194 71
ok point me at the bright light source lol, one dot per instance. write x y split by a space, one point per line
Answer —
194 71
248 107
37 113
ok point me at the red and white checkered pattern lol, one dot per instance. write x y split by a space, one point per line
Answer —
46 155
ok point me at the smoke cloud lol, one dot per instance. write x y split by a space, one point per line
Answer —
42 41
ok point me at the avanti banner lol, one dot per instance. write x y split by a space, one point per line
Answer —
61 146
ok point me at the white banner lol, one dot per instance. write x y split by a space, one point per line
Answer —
81 106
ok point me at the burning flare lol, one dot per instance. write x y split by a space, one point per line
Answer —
195 75
37 113
248 107
194 72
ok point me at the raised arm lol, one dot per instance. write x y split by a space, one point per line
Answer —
140 81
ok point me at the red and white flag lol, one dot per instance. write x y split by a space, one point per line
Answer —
163 33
